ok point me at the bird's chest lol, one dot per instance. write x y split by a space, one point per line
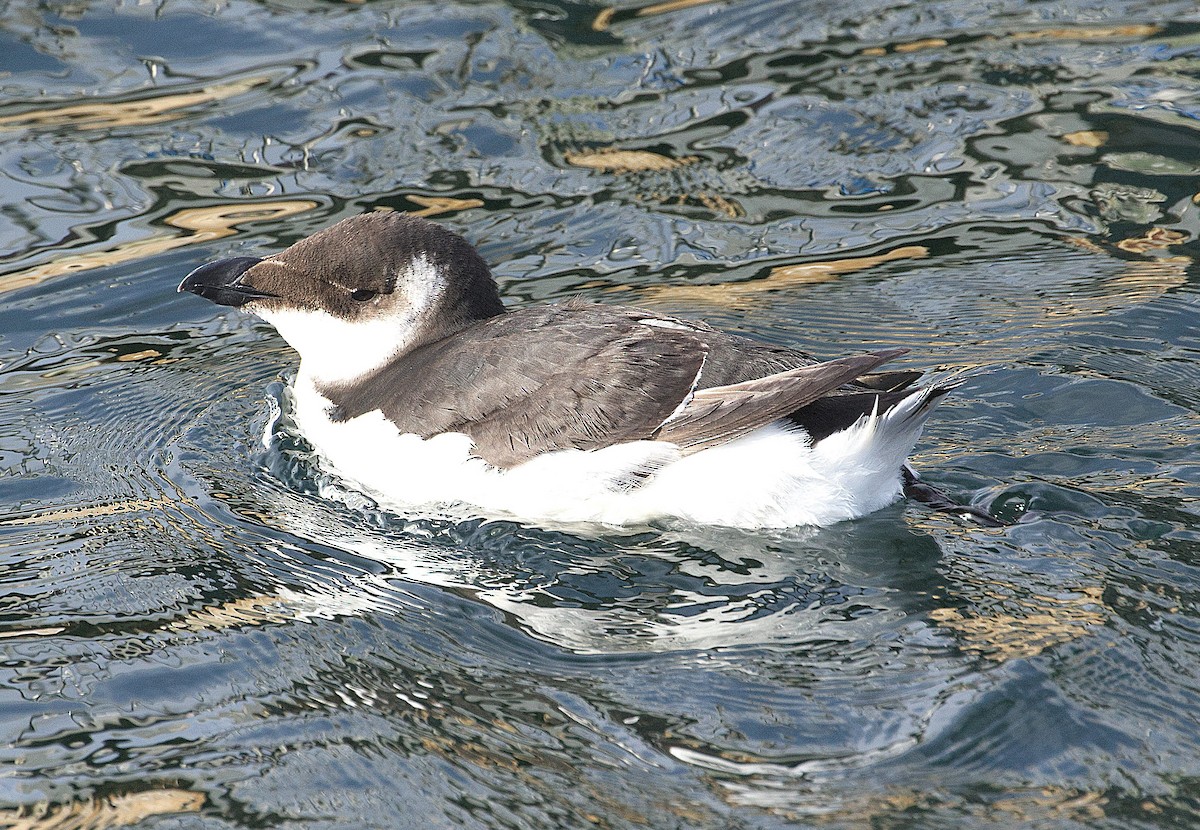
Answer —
374 452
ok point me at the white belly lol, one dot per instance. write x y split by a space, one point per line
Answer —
769 478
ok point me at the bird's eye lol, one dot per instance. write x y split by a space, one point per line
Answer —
363 294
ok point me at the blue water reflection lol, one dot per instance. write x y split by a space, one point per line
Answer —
198 628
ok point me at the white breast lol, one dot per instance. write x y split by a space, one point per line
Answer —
769 478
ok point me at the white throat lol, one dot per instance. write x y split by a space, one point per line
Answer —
333 350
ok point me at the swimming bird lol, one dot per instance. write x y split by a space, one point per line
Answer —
417 385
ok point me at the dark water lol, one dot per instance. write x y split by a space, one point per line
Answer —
194 634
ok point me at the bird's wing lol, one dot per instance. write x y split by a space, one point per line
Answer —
719 414
585 377
733 359
540 379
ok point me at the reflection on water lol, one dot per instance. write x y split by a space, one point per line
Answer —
198 629
205 225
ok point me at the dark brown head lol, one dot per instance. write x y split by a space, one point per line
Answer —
360 292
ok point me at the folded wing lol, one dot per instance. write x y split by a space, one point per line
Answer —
587 376
719 414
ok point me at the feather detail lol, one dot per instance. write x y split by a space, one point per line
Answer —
723 413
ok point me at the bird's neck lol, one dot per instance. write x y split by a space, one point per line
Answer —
367 350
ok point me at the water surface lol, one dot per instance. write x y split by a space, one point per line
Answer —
197 629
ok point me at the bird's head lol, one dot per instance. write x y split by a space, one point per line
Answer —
359 293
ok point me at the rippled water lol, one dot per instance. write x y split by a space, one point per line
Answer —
194 633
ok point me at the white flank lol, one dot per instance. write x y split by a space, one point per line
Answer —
769 478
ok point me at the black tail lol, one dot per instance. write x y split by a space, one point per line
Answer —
834 413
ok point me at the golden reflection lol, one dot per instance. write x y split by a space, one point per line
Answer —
1087 138
76 513
221 220
1014 808
437 205
100 115
615 160
1038 622
1085 244
1064 33
102 812
1059 803
237 613
1153 239
671 6
1135 283
919 45
31 632
618 161
145 354
717 204
204 224
740 295
813 272
1090 32
604 18
282 606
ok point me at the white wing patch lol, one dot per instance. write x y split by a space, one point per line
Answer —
659 323
687 399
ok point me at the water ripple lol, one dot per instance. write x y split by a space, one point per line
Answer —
200 630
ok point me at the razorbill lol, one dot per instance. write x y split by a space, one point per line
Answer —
418 385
